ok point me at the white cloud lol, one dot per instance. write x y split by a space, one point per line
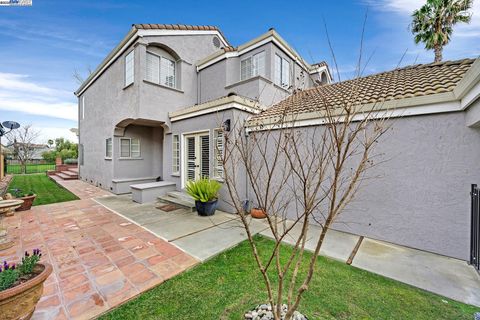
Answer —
53 133
405 9
18 93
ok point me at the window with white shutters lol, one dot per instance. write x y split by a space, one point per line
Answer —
218 153
130 148
191 157
204 156
129 68
175 154
253 66
135 148
125 148
161 70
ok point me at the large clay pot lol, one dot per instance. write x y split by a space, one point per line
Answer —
19 302
27 203
257 213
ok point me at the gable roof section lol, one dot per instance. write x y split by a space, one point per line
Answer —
140 30
270 36
409 86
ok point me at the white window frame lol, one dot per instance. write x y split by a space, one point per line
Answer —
82 107
131 154
280 78
108 148
129 68
218 171
176 155
158 78
257 66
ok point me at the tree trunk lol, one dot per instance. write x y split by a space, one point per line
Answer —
438 53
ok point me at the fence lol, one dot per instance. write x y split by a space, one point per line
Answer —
33 166
475 233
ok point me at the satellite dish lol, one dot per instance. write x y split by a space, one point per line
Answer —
11 125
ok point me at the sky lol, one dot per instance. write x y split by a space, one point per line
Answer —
41 46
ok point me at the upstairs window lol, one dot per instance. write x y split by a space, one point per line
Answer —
253 66
108 148
129 68
175 154
282 72
130 148
160 70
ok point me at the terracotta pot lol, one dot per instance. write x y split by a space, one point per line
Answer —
257 213
27 203
18 303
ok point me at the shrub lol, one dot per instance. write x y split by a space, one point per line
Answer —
70 161
203 190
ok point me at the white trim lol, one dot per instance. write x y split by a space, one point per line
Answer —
183 154
471 96
167 32
232 105
313 119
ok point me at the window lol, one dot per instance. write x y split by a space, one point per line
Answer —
82 107
175 154
282 72
129 68
130 148
161 70
253 66
108 148
218 153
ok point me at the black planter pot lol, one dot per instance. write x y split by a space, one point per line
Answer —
206 208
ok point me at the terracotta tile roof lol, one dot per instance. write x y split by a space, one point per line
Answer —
156 26
412 81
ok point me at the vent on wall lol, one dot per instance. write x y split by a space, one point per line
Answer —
216 42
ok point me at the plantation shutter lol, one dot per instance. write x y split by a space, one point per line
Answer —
191 158
205 156
218 153
153 68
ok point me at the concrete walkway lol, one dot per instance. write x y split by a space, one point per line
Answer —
200 237
445 276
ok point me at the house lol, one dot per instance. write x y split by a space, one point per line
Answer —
157 106
35 150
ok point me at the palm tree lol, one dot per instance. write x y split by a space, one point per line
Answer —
433 23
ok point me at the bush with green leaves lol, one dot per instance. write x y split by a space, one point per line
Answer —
10 273
203 190
70 161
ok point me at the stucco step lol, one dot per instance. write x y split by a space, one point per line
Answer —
186 203
69 173
73 170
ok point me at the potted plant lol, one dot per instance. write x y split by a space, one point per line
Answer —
27 198
21 286
258 213
205 193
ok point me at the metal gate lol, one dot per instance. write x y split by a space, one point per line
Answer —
475 232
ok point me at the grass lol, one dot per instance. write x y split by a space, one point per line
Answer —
228 285
47 191
30 168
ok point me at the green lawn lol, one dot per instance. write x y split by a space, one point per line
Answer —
30 168
228 285
47 191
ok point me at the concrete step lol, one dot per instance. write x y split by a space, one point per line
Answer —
73 170
66 176
70 173
179 199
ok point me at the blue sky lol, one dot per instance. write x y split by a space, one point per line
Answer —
42 45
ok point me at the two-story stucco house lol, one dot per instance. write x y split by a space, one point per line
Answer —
135 108
156 107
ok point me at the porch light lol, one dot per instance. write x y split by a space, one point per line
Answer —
226 125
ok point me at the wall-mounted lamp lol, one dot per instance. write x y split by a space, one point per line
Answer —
226 125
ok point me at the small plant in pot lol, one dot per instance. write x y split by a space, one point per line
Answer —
21 286
27 197
205 193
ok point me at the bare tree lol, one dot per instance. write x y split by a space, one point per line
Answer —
303 174
79 78
23 141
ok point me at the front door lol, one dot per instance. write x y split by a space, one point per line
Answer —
197 156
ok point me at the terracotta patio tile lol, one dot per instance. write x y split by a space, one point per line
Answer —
125 261
118 292
168 249
65 273
184 260
77 292
47 302
155 260
141 277
118 255
87 307
166 269
73 281
144 253
109 278
133 268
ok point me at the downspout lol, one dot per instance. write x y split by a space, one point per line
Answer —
247 193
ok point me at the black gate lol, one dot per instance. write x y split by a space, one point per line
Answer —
475 233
